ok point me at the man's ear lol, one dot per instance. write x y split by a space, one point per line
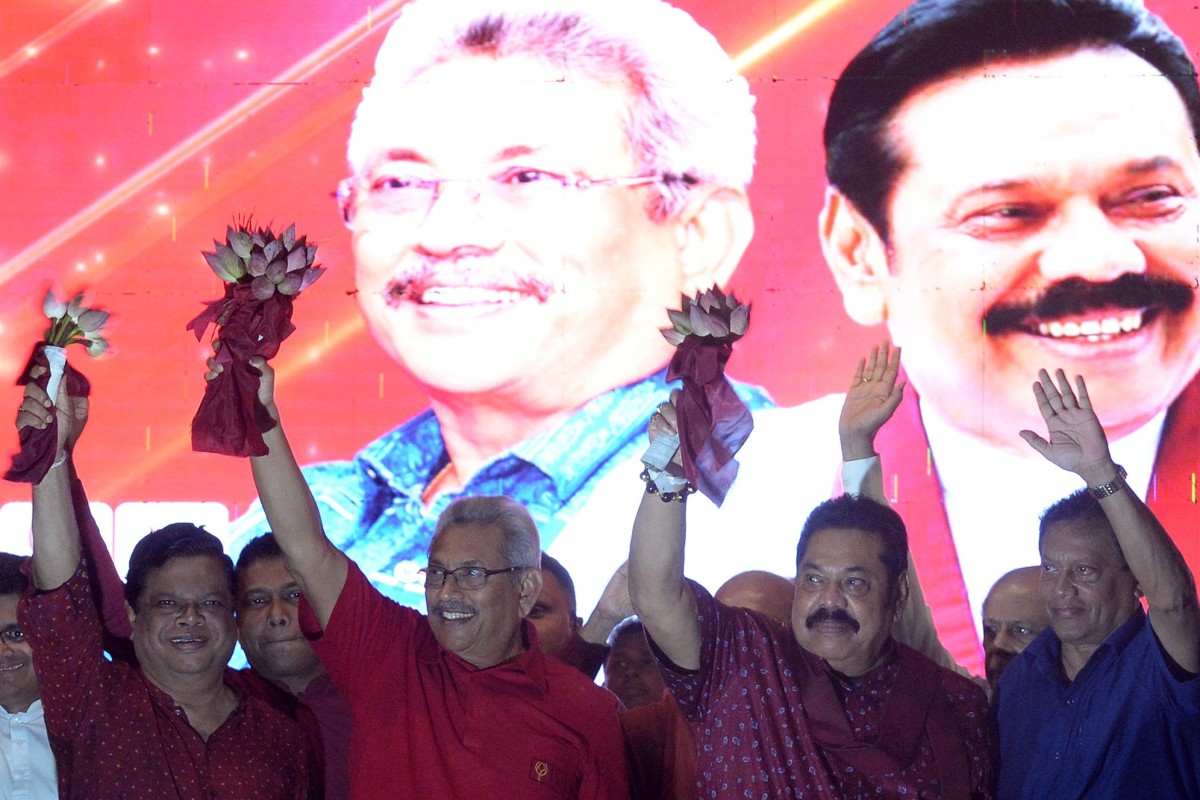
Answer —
857 257
530 590
715 228
901 595
129 612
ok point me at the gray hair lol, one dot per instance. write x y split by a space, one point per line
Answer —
521 546
692 115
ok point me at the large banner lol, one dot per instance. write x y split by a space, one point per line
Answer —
135 131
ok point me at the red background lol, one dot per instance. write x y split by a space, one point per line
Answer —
136 129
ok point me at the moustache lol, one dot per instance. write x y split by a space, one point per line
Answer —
484 272
1076 296
835 615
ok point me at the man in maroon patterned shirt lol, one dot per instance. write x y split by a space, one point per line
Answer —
172 726
836 708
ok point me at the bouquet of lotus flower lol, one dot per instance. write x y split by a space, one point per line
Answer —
712 421
263 273
70 323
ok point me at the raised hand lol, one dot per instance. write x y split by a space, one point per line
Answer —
37 411
266 384
870 401
614 601
663 454
1075 439
613 607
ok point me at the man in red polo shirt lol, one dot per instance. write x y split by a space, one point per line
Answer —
461 703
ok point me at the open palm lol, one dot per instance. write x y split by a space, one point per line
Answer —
1076 439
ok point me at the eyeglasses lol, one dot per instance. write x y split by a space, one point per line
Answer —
407 199
464 577
12 635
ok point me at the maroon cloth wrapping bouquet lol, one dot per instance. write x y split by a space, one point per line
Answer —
712 421
263 274
38 447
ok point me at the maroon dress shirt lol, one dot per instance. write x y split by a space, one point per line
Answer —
116 735
773 720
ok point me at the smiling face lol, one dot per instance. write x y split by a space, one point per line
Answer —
18 683
481 626
550 304
1088 589
844 605
1014 613
183 627
1045 215
268 628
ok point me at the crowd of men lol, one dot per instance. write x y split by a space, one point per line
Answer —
612 176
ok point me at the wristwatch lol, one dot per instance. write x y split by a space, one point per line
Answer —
1112 487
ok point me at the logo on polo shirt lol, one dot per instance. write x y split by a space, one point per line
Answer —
543 771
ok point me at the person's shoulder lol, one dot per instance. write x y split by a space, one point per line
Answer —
250 684
569 688
960 688
961 691
421 431
577 702
262 706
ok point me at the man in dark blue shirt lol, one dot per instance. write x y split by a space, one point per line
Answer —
1106 702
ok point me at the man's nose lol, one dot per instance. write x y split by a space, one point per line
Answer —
1006 642
190 613
1085 242
832 596
449 587
278 614
459 222
1062 584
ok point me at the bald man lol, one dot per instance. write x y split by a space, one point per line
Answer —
760 591
1013 616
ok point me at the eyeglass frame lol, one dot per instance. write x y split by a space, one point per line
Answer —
346 192
429 572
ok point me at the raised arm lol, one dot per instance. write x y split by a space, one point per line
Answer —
319 567
873 396
657 588
1076 443
56 550
611 610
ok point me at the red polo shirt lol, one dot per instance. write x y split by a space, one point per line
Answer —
428 724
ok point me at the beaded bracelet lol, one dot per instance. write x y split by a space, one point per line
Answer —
679 496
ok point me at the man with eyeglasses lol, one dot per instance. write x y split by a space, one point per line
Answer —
26 762
461 703
173 720
534 183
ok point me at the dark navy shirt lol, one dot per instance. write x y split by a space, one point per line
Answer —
1126 727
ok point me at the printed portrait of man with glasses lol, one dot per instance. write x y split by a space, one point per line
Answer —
532 185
